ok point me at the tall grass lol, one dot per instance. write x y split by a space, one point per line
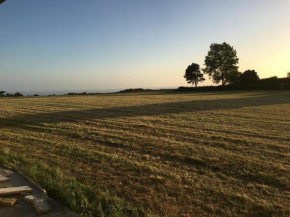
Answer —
78 197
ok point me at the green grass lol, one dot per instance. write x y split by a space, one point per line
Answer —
80 198
169 154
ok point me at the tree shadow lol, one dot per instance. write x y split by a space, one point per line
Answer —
150 109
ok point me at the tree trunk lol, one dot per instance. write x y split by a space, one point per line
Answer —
223 81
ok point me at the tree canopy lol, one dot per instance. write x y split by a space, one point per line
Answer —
221 63
234 77
193 74
249 77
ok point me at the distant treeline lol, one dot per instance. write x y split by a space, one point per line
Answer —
83 93
4 94
272 83
136 90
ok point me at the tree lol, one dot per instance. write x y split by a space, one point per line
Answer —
2 93
288 75
249 77
193 74
17 94
234 78
221 62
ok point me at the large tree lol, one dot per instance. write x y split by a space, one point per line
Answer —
249 77
193 74
221 63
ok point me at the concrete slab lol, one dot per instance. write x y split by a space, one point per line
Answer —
24 209
6 173
3 178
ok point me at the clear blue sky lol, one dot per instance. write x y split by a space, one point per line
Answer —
98 44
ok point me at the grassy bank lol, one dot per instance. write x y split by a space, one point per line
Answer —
193 154
80 198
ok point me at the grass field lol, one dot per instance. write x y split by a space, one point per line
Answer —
169 154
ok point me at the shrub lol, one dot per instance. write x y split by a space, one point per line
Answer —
17 94
284 80
249 77
275 86
286 86
132 90
271 80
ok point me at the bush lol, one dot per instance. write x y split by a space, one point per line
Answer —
284 80
249 77
286 86
271 80
275 86
17 94
136 90
2 93
205 88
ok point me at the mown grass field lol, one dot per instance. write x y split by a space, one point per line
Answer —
170 154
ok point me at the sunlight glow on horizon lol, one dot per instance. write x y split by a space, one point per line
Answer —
72 45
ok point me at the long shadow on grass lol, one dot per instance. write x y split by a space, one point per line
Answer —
157 110
150 109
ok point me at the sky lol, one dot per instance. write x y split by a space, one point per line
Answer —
117 44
